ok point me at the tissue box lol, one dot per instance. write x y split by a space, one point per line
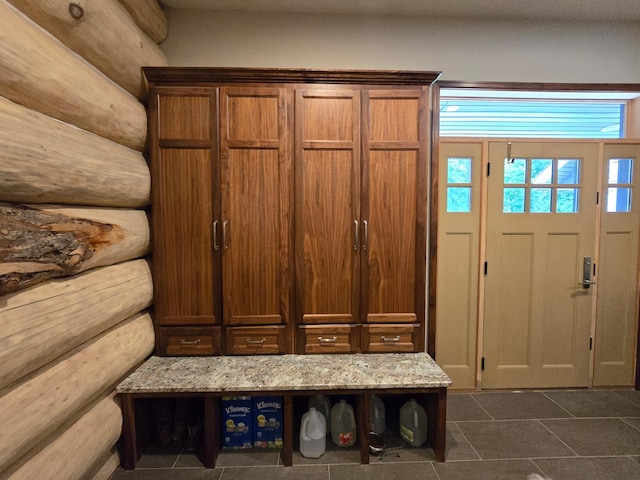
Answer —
236 422
267 422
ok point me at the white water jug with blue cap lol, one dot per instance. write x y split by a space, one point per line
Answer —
313 434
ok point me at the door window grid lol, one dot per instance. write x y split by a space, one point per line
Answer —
459 188
619 185
544 185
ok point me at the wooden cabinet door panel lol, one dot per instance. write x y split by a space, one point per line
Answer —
183 240
394 206
327 205
255 190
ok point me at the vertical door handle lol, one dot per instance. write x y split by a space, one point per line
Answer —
216 247
365 246
225 226
586 273
356 239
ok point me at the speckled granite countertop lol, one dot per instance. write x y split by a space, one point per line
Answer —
285 373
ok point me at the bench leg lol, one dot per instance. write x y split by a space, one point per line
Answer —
129 432
362 405
287 431
437 413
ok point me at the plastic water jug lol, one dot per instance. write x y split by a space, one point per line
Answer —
313 434
413 423
343 424
322 404
376 415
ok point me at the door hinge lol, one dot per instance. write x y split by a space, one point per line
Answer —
486 267
597 198
482 364
488 169
591 343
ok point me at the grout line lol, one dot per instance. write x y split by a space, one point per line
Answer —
559 439
560 406
433 467
481 407
468 441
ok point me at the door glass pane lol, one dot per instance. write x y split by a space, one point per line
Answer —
541 171
459 170
567 200
618 199
620 170
540 200
568 171
515 170
459 199
513 200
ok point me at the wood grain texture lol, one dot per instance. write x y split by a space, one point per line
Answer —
40 242
44 322
41 403
71 453
43 160
150 17
44 75
96 29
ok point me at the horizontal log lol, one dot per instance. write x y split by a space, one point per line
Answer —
107 466
96 30
43 323
150 17
72 453
43 160
44 401
38 71
39 242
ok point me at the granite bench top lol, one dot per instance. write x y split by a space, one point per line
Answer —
285 373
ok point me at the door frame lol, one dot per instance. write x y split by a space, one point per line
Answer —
434 182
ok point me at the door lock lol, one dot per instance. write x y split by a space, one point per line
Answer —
586 273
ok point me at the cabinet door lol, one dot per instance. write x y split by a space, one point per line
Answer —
327 205
256 190
183 157
395 133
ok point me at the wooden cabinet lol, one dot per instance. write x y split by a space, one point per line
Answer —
289 210
361 200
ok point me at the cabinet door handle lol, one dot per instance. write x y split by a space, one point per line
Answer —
327 340
216 247
386 339
184 341
366 235
225 226
251 341
356 239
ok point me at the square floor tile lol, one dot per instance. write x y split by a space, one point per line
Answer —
633 421
408 471
248 458
520 405
463 407
156 456
597 436
513 439
307 472
332 455
458 447
590 403
487 470
169 474
631 395
609 468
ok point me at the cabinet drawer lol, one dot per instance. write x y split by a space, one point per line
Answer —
329 338
183 341
255 340
390 338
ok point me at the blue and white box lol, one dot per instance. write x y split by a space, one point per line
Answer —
267 421
236 422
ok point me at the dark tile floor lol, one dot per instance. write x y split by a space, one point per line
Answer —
564 435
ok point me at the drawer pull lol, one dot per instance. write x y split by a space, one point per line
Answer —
251 341
390 339
327 340
184 341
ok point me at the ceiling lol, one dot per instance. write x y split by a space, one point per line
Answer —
582 10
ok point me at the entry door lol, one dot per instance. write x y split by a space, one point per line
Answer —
541 209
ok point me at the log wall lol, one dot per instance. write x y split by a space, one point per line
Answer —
75 280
